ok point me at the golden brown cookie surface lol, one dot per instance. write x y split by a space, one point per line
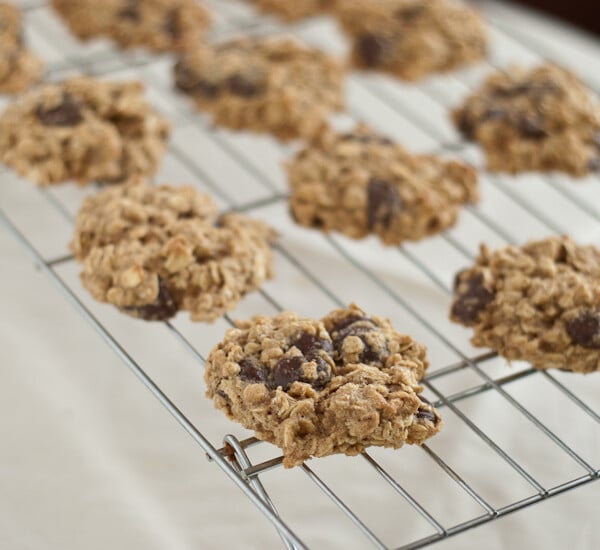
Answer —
538 303
320 387
152 251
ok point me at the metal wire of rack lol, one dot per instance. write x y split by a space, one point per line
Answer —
234 457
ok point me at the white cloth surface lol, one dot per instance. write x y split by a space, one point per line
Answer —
89 459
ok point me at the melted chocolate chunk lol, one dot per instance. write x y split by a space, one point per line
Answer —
163 308
470 303
287 371
531 127
356 326
310 344
370 355
383 203
67 113
250 371
343 327
423 414
189 82
594 164
244 86
585 329
130 11
466 126
373 50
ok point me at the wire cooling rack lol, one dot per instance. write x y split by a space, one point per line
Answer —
470 461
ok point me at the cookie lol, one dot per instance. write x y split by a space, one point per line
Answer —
269 84
152 251
412 38
538 119
19 68
159 25
360 183
84 130
538 303
292 10
321 387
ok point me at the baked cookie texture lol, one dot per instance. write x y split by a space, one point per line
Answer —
19 68
534 119
152 251
159 25
292 10
359 183
412 38
538 303
269 84
319 387
83 129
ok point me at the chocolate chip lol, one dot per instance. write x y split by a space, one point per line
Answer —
424 414
457 279
356 326
370 355
191 83
130 11
250 371
373 50
465 125
287 371
532 127
67 113
243 86
310 344
163 308
171 25
410 13
383 203
471 302
345 326
585 329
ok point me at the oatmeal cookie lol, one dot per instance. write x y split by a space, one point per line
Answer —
160 25
360 183
270 84
320 387
19 68
152 251
538 303
412 38
291 10
539 119
83 129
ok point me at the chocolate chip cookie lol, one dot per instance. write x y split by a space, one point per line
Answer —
359 183
540 119
19 68
160 25
269 84
412 38
84 130
321 387
291 10
538 303
152 251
